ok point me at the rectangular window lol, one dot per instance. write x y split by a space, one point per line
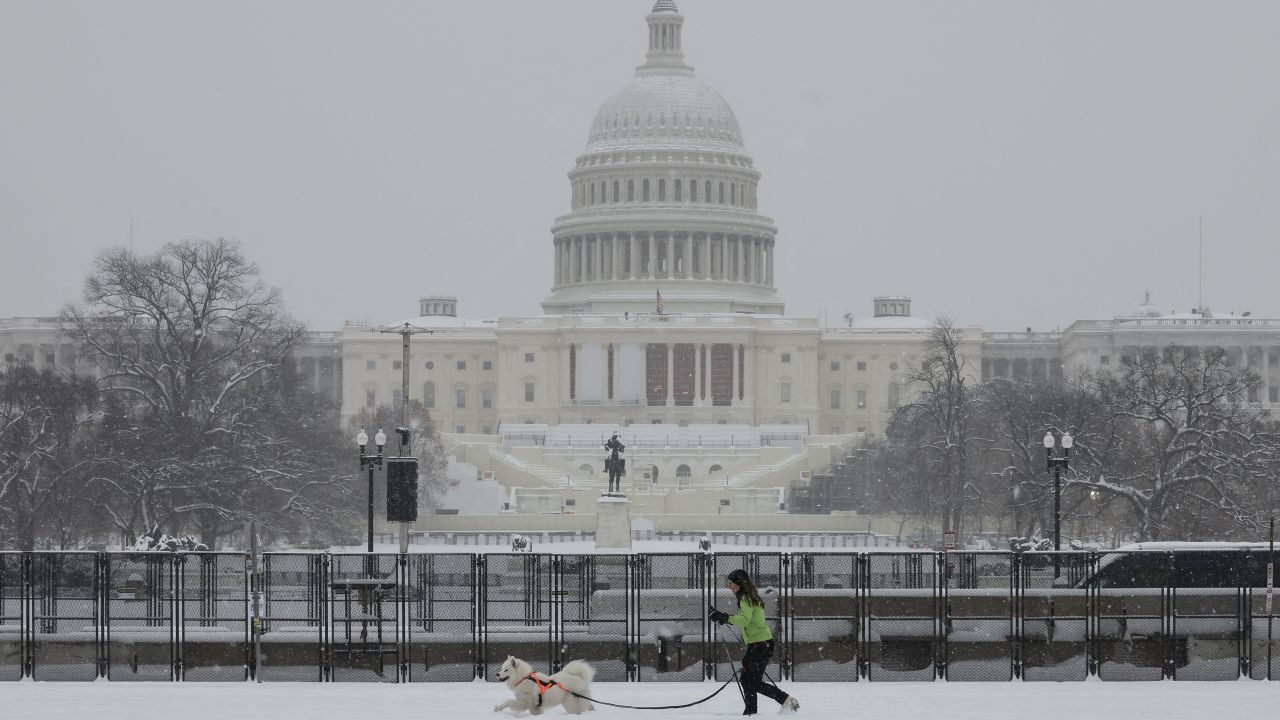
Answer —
528 392
682 368
785 392
370 399
1105 360
462 364
370 364
462 397
862 399
835 364
837 429
460 429
528 357
1275 394
656 374
488 365
486 398
610 371
862 429
488 429
395 398
786 357
835 399
893 395
742 365
722 374
395 364
862 366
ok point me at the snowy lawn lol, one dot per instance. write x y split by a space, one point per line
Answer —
475 701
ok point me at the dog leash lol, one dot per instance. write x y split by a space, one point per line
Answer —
655 707
733 679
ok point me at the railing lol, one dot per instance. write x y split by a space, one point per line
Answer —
454 617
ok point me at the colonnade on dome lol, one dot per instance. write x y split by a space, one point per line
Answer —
646 256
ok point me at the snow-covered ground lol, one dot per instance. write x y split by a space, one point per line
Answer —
475 701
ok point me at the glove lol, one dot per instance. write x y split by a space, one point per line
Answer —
718 617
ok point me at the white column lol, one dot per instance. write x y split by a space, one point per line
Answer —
559 267
634 250
769 262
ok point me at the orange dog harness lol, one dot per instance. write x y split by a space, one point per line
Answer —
543 687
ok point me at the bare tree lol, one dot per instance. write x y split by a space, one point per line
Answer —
204 428
1188 455
943 411
46 430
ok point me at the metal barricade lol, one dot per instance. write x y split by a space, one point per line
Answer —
139 603
903 628
13 615
516 611
1130 635
824 612
979 616
1054 611
591 591
214 642
441 633
364 593
295 622
65 632
668 606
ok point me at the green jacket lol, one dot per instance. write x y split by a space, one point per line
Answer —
751 619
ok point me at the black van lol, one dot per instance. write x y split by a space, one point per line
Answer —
1182 565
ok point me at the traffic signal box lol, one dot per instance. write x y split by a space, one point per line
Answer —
402 489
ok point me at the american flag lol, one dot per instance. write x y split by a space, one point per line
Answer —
659 301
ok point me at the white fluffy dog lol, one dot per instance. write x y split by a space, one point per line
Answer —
535 692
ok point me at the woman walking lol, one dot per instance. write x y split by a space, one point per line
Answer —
759 640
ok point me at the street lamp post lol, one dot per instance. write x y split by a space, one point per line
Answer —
1057 464
370 462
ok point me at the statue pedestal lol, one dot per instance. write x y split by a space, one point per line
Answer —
613 522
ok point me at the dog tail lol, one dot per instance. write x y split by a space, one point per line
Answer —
579 669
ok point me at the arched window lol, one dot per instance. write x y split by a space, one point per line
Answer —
715 469
644 191
693 191
586 469
429 395
684 471
593 193
733 193
678 197
662 191
706 196
616 195
603 188
631 191
721 193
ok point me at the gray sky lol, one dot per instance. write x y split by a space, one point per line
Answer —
1010 164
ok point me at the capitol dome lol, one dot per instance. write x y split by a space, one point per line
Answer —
668 108
663 199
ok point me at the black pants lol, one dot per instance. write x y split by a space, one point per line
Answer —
754 662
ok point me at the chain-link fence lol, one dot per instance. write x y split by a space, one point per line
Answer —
1149 615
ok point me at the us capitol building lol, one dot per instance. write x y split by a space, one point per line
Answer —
726 404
